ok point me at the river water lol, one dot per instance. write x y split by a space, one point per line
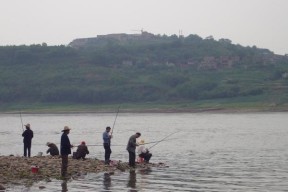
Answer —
209 152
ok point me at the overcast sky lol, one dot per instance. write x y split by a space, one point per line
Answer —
247 22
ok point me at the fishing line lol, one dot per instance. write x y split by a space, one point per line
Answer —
163 139
100 144
158 141
115 120
21 121
139 144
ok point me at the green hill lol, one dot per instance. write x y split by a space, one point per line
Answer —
142 71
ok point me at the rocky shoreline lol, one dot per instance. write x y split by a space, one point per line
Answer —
18 170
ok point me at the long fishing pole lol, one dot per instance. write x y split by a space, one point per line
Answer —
115 120
21 121
126 145
162 139
156 141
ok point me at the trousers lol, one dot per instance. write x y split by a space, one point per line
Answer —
64 165
132 157
27 149
107 152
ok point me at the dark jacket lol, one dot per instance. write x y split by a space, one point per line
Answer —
53 149
65 146
131 146
28 135
81 152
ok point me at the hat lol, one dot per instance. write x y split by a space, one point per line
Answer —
142 141
66 128
48 143
83 143
27 125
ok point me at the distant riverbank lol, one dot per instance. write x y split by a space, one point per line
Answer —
151 110
193 107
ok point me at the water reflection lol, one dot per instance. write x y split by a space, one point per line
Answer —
145 171
107 181
64 186
132 181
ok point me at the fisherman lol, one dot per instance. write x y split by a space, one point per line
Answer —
144 152
106 143
65 150
131 147
82 151
28 135
53 149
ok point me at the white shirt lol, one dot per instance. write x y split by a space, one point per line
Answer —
142 149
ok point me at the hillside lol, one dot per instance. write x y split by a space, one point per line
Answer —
142 68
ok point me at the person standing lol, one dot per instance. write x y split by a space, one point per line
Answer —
65 150
53 149
82 151
131 147
28 135
107 143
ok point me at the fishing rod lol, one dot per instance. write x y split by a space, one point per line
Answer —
102 145
157 141
162 139
126 145
115 120
21 121
75 145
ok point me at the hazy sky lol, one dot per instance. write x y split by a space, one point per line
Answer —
247 22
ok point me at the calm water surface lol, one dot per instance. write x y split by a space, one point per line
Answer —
209 152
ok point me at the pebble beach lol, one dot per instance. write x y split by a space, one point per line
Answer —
25 171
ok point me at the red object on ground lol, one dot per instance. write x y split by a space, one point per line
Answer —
140 159
34 169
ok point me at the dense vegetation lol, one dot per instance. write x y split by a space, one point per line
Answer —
160 69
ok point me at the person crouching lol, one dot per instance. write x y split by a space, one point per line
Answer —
82 151
53 149
144 152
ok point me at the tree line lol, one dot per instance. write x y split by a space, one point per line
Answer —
162 69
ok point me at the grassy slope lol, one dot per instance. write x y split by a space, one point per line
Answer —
216 105
52 76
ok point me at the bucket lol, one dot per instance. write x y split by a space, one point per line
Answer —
34 169
39 154
140 159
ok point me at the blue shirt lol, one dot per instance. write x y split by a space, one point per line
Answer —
106 137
